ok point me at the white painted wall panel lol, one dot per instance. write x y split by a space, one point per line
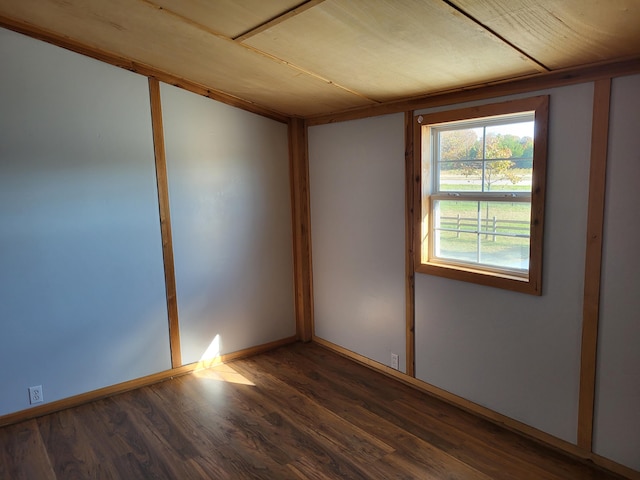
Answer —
231 216
518 354
82 301
356 172
617 419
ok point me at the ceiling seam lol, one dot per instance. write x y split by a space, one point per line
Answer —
271 57
460 10
297 10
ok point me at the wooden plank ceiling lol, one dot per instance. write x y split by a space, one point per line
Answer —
321 56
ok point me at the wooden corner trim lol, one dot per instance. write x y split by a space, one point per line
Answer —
409 224
301 222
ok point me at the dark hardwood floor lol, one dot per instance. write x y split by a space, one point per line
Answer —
299 412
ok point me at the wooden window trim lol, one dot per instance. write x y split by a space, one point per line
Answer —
531 285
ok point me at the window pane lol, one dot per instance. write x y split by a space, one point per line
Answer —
485 233
456 230
505 228
506 176
504 252
462 247
460 144
511 140
460 176
456 215
506 218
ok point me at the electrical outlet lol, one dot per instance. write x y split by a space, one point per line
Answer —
35 394
395 361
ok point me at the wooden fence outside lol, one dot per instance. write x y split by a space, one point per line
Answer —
489 227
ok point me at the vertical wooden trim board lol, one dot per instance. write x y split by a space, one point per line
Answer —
165 222
303 273
593 261
409 242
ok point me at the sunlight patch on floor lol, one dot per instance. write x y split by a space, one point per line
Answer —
211 366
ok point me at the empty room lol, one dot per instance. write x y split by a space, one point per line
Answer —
322 239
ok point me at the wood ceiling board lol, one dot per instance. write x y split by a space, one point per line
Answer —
150 36
387 49
230 18
563 33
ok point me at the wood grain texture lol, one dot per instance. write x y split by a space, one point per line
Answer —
378 48
475 409
300 202
315 58
575 31
298 412
229 17
165 222
486 90
84 398
593 261
139 67
272 22
409 226
24 457
145 34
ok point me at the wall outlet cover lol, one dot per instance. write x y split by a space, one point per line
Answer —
35 394
395 361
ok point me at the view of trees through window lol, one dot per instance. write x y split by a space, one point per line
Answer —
482 193
486 158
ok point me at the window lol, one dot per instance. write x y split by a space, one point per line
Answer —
480 196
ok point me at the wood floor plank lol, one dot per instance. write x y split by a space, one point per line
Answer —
149 417
119 451
299 437
241 441
355 439
212 436
332 427
22 455
70 452
392 424
138 451
300 412
517 455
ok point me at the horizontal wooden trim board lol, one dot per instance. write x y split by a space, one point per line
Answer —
485 91
140 68
87 397
495 417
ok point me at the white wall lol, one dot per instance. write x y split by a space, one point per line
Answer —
617 419
518 354
356 172
514 353
82 301
82 294
231 215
